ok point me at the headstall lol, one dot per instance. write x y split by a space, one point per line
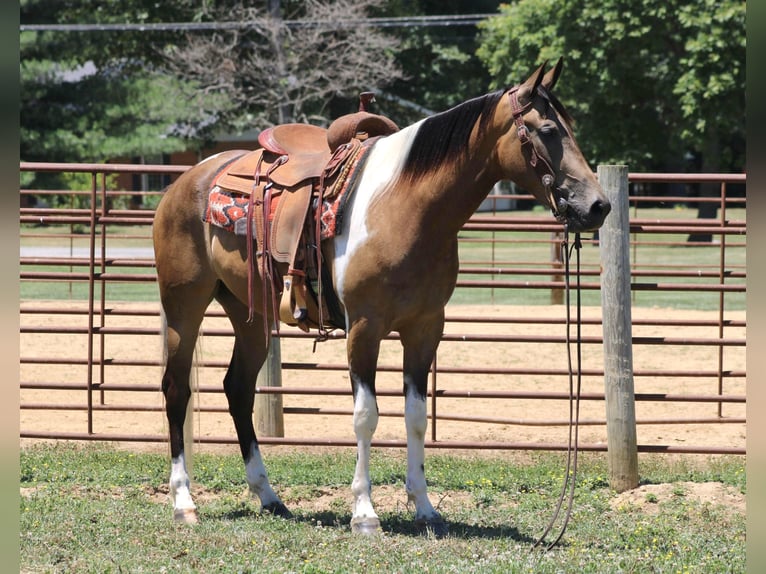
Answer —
537 161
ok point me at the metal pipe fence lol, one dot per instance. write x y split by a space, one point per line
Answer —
87 277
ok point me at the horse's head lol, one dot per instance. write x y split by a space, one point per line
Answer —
538 152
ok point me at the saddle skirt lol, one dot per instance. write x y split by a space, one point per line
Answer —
286 198
287 186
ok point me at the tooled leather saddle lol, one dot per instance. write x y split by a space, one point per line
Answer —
291 191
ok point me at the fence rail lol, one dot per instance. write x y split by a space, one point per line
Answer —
93 254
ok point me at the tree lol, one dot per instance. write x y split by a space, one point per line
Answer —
97 96
439 63
277 71
648 81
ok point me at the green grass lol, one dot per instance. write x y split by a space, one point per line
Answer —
78 290
136 236
91 509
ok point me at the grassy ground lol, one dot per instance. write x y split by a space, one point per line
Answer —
96 509
518 249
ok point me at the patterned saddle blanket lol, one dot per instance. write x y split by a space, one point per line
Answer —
287 194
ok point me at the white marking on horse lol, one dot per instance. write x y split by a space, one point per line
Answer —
215 155
416 423
179 485
258 479
383 165
365 423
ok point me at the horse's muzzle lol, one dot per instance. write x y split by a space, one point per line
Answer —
577 219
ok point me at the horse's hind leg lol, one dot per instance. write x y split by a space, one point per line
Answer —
184 309
247 358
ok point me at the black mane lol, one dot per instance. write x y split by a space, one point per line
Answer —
444 136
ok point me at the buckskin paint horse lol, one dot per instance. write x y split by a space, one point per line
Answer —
393 263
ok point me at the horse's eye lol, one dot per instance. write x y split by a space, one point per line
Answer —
547 129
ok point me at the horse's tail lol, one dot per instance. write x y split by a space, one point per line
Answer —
193 385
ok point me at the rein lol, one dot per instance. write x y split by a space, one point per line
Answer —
547 178
570 477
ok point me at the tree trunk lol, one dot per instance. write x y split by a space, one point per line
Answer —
711 163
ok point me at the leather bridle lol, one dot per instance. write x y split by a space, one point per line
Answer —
541 166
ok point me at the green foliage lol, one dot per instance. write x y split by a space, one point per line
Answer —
439 63
100 96
101 47
646 81
99 115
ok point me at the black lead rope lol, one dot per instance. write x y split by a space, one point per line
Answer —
570 476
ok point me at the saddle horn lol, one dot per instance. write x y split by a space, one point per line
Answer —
360 125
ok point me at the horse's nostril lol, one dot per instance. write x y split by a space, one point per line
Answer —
600 208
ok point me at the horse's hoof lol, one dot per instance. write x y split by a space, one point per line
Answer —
277 509
185 515
435 525
366 525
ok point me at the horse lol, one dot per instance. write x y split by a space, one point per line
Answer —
393 266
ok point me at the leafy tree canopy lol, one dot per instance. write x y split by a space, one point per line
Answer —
439 63
97 96
648 81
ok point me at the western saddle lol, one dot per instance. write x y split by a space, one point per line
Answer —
298 163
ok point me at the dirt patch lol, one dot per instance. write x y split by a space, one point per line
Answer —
648 498
58 358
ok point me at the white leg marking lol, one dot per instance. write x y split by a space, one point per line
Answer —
258 479
365 423
383 165
415 418
184 508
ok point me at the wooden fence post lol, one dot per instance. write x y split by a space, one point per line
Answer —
269 418
557 294
614 244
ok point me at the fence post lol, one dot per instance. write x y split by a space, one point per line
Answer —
557 293
269 419
614 245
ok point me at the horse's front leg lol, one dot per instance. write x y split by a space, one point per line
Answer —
420 346
363 346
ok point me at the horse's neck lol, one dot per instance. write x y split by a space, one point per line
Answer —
452 196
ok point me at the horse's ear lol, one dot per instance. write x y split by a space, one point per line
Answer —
528 88
552 76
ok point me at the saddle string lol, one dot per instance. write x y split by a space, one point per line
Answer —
570 476
249 235
268 278
322 334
